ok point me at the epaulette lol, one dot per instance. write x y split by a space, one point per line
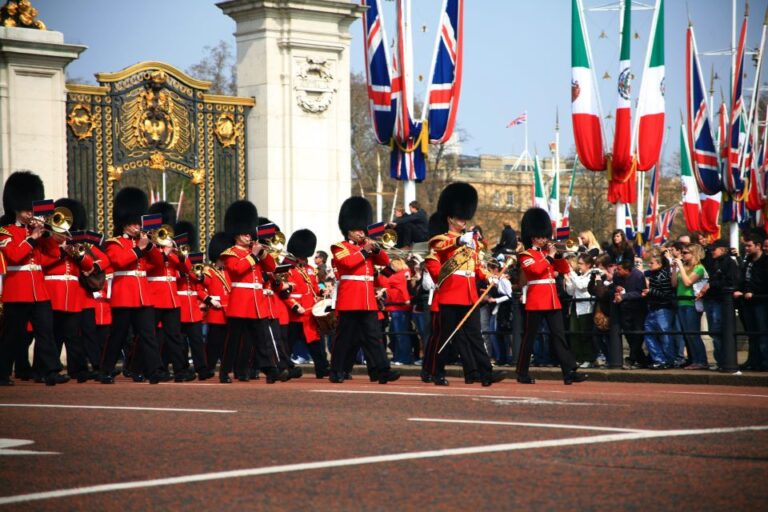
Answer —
230 252
114 239
5 232
431 257
343 251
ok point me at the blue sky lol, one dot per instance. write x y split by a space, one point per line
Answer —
517 53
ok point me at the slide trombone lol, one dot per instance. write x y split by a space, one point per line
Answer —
59 222
387 243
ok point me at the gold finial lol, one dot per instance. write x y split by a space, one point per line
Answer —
20 13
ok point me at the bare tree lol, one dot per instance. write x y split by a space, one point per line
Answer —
218 67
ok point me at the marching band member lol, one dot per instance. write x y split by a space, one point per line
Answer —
539 262
96 317
301 296
353 262
130 299
433 368
191 292
218 287
457 284
247 309
25 297
67 296
165 263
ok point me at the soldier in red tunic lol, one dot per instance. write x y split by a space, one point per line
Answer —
460 269
67 296
302 294
433 369
247 311
539 262
217 288
25 297
131 300
96 317
353 260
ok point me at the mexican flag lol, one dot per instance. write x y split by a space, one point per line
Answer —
585 111
539 201
554 200
650 108
691 202
622 140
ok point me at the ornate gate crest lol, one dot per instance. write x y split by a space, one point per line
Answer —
155 127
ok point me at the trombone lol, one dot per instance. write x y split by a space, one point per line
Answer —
162 236
387 243
59 222
570 245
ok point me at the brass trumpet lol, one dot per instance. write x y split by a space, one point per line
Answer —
59 222
570 245
184 250
162 236
198 269
387 243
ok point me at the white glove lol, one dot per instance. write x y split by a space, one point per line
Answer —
468 239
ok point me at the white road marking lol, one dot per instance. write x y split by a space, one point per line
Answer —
375 459
7 445
122 408
499 399
534 425
715 394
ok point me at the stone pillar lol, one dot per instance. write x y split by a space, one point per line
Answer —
33 105
293 58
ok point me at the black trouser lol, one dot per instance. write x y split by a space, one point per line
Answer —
66 327
194 334
94 337
358 329
169 337
468 340
557 343
277 338
17 314
214 344
147 351
633 319
242 335
315 347
434 363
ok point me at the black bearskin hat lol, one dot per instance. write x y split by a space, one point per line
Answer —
241 217
20 190
458 200
79 216
130 204
166 210
302 243
218 243
184 226
355 213
535 223
438 224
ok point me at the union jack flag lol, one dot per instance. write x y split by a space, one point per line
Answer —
629 227
734 178
380 100
521 119
664 224
704 159
651 213
444 89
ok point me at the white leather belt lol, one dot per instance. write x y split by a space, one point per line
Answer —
96 295
296 295
63 277
130 273
252 286
465 273
357 278
214 297
541 281
161 279
21 268
187 293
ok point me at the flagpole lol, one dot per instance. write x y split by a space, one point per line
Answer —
409 187
526 153
379 189
557 164
733 229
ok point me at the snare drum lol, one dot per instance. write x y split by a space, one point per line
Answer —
324 316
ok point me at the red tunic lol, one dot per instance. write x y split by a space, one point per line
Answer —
247 300
541 292
62 281
432 267
130 288
278 308
217 286
459 288
191 293
355 273
304 292
162 273
24 275
397 291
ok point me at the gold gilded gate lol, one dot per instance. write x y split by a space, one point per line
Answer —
155 127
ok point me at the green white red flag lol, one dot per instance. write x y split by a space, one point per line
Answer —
585 109
650 108
691 202
539 201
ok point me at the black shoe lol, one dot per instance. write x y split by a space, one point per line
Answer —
347 375
389 376
321 374
138 377
245 378
336 378
106 379
23 376
160 376
54 378
82 377
471 379
495 376
184 376
253 373
6 381
525 379
295 373
205 374
440 381
426 378
574 376
224 378
275 375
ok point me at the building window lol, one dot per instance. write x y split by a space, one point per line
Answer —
510 198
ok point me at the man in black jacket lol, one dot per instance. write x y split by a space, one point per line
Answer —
507 241
411 228
723 273
629 284
753 282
